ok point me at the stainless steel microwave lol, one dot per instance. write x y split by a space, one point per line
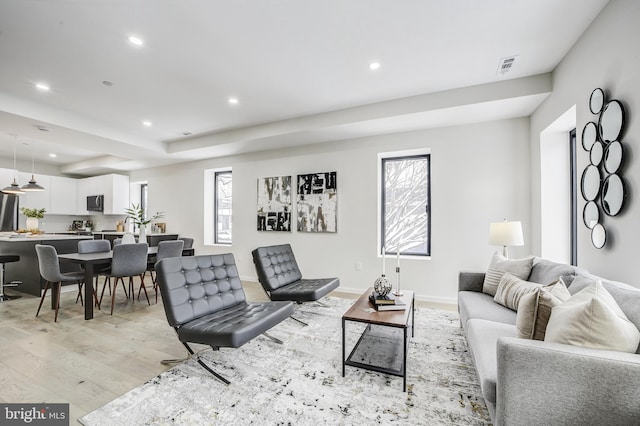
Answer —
95 203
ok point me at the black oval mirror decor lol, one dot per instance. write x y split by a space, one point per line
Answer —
596 153
613 194
590 183
596 101
589 135
613 157
591 214
598 236
611 121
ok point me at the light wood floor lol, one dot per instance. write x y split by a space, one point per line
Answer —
87 363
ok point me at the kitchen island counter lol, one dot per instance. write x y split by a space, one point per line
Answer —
27 269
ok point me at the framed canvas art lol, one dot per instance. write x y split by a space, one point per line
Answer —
274 203
317 202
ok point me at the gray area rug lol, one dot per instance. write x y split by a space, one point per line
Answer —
301 383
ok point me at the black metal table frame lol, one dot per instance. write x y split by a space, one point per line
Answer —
402 372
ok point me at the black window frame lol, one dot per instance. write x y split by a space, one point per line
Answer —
383 238
573 177
216 239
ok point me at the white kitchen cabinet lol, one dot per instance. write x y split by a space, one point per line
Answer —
63 195
114 188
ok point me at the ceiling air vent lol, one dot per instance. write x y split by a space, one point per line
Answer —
506 64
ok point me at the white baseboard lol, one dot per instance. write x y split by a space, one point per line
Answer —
358 291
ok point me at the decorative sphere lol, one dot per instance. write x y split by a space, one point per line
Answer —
382 286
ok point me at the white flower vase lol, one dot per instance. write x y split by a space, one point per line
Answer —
32 223
142 235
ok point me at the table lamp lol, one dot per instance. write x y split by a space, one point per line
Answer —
506 234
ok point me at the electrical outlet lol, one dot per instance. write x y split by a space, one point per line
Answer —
358 266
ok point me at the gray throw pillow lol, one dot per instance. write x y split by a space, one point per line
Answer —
520 268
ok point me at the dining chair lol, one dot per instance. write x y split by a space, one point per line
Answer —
50 271
128 238
129 260
96 246
188 242
166 249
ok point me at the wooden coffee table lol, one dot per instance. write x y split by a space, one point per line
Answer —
359 312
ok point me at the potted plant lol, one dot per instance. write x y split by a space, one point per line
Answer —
32 217
136 215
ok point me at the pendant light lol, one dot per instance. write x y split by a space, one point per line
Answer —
13 189
32 186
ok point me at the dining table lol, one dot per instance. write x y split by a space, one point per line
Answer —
88 260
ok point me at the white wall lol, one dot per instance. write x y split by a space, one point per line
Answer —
480 174
606 56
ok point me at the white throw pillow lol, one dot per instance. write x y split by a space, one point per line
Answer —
520 268
511 289
591 318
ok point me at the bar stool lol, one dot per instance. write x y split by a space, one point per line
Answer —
7 258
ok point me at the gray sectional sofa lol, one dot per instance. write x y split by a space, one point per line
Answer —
532 382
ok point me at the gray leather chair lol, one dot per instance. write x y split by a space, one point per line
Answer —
129 260
50 270
281 278
204 302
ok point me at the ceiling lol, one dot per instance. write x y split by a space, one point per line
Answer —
298 68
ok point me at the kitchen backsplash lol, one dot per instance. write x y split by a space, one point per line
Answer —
55 223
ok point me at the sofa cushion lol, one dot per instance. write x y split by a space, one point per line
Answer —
499 264
534 309
511 289
592 319
546 271
482 336
472 304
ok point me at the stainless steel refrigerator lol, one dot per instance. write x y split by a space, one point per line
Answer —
8 212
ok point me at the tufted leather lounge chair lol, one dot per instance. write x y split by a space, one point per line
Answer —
281 278
205 303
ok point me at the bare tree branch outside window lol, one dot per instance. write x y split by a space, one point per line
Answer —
223 204
406 205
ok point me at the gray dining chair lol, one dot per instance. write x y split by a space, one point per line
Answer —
188 242
50 272
96 246
129 260
166 249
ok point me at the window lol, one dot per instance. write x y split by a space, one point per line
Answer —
406 204
143 198
222 207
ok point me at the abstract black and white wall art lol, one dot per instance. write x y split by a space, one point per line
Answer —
317 202
274 203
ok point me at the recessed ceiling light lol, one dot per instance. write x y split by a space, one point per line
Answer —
374 66
136 41
52 155
233 101
187 133
147 123
42 86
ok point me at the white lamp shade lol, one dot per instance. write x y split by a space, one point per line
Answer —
506 234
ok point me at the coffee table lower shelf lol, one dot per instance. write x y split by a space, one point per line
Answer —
402 322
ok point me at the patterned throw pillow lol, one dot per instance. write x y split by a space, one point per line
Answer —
511 289
520 268
534 309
